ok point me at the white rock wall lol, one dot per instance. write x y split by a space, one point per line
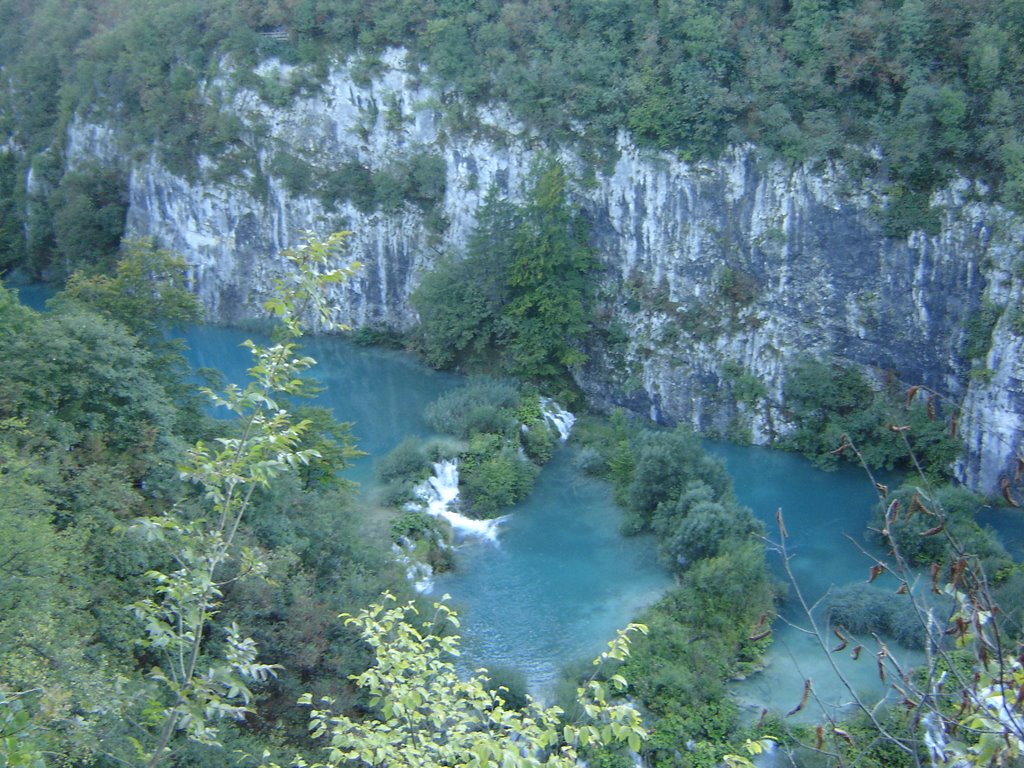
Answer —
806 242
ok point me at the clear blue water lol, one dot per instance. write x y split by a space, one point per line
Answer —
34 295
822 511
561 580
825 515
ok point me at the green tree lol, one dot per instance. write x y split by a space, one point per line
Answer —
833 405
521 299
332 446
146 292
426 714
493 475
461 301
200 685
88 216
17 746
86 442
550 295
12 246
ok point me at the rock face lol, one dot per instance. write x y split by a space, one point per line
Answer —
715 274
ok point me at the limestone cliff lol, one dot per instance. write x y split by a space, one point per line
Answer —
715 274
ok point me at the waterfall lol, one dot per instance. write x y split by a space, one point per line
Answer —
439 492
557 417
420 574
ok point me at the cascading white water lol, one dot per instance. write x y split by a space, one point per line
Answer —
557 417
439 492
419 574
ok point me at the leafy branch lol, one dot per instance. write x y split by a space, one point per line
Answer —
427 715
201 687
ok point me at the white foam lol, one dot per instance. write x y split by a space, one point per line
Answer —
439 492
559 418
420 574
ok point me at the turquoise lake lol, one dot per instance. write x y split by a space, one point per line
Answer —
560 579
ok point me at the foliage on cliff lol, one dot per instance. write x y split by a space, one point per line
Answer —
833 406
519 299
938 87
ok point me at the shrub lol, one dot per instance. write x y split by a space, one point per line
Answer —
908 210
955 507
296 174
414 525
707 527
377 336
1009 596
815 388
473 408
590 461
487 418
978 330
396 493
429 541
353 181
861 609
538 442
406 462
516 694
494 477
865 609
427 177
829 401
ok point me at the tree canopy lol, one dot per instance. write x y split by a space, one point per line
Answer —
938 87
519 299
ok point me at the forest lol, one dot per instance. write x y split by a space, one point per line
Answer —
918 91
147 551
170 583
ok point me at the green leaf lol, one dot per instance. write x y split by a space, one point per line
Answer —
634 742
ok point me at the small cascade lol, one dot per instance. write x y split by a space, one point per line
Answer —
439 492
557 417
420 574
934 738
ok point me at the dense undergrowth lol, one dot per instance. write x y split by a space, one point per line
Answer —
93 427
712 625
